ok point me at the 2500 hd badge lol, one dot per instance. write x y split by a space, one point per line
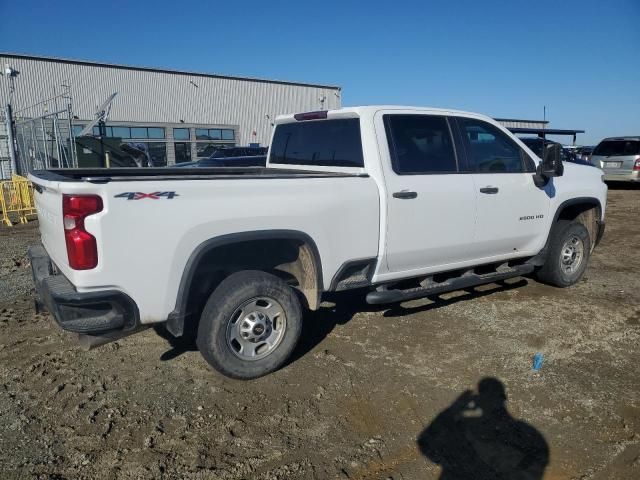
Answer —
532 217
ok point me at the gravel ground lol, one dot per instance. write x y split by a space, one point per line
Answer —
396 392
14 283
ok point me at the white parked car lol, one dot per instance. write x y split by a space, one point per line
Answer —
404 201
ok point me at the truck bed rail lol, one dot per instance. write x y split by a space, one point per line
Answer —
106 175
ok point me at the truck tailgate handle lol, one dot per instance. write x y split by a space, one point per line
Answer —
406 194
489 190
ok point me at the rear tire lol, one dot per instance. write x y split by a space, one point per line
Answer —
250 325
567 256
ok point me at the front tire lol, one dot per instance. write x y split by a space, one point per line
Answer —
250 325
568 254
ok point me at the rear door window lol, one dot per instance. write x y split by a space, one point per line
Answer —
617 148
420 144
490 150
328 143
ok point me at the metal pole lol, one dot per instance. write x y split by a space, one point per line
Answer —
57 139
10 140
72 140
23 155
44 139
103 132
25 159
34 143
64 158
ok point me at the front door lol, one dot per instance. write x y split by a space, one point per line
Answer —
512 211
430 206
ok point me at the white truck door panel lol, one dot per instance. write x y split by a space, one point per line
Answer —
511 220
511 210
430 207
434 228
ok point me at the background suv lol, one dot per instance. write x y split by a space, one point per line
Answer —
619 158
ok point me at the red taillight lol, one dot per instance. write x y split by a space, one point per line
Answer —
636 166
319 115
82 250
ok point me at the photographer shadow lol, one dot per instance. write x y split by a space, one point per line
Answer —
477 438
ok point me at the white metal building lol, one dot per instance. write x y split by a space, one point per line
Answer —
181 115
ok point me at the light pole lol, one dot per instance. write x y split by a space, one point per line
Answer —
11 74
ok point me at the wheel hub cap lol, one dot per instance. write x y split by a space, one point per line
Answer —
256 328
572 254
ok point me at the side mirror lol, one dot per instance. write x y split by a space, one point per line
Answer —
551 165
552 162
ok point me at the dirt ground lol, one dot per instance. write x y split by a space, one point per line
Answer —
372 392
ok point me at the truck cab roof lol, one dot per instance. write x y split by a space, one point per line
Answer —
370 110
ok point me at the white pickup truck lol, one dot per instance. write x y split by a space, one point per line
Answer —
405 202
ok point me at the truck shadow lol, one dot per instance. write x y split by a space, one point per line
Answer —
345 305
476 437
339 308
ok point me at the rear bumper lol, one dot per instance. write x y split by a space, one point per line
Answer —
86 313
629 176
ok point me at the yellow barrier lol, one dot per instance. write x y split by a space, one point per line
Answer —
16 200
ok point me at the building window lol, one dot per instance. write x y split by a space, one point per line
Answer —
228 134
155 132
202 134
181 134
151 133
107 131
158 153
214 134
138 132
120 132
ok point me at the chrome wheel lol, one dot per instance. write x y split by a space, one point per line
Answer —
256 328
571 254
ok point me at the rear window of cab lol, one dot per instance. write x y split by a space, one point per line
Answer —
325 143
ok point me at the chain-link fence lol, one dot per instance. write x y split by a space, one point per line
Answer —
45 142
42 136
5 157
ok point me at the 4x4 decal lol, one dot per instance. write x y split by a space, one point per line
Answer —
152 196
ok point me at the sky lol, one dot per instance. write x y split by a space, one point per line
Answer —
579 58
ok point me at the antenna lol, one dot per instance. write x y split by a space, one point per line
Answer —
102 114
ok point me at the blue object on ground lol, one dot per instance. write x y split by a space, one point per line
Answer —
538 358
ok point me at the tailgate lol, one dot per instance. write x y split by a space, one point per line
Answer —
48 199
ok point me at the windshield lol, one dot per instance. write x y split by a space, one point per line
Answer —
617 148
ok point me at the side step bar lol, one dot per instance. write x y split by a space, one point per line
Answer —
469 279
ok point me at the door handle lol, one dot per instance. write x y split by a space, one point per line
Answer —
490 190
406 194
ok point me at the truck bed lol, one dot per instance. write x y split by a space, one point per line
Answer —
105 175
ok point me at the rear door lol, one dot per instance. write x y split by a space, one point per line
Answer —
616 156
511 209
430 206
